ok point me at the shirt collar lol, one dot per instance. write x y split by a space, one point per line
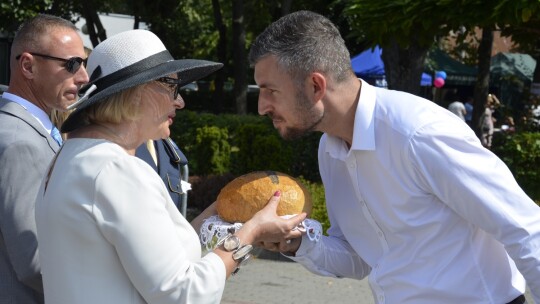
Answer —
364 124
34 110
364 120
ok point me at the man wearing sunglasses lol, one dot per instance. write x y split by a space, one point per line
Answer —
47 70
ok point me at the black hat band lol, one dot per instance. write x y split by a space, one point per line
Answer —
134 69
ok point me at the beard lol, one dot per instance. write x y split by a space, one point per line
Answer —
308 117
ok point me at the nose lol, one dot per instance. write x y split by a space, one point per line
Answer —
179 102
263 106
81 76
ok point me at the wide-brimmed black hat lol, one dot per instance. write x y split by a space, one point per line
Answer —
129 59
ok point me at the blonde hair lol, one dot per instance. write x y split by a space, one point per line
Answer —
492 100
58 118
119 107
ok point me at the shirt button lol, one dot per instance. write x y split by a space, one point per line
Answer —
380 234
381 298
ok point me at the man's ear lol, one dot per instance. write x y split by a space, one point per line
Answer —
26 64
318 84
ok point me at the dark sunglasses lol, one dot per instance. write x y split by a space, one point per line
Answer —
173 83
71 65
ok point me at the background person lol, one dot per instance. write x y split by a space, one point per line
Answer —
469 108
47 70
164 156
116 236
458 108
487 121
415 203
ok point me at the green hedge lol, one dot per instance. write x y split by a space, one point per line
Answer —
521 153
240 144
211 150
319 202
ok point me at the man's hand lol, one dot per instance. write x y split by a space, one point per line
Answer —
287 247
283 235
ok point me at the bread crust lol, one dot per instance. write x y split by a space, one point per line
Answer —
241 198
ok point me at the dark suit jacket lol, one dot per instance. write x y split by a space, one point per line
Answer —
26 150
170 162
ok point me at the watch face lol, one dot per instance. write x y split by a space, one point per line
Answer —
242 252
231 243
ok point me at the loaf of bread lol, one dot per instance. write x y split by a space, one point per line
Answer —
241 198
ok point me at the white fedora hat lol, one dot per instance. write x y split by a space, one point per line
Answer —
129 59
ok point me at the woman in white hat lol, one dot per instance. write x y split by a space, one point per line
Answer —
108 230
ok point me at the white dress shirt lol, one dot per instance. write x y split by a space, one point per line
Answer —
422 208
109 232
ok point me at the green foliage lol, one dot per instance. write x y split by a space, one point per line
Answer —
254 145
412 20
260 148
211 150
14 12
186 27
521 153
319 202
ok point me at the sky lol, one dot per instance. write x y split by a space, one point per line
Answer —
113 24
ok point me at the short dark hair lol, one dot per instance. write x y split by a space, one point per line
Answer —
28 36
304 42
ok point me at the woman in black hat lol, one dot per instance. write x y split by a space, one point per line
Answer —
108 230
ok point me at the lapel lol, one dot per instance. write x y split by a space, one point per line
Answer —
163 158
142 153
16 110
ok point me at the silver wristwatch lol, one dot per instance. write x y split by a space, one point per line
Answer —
241 253
230 242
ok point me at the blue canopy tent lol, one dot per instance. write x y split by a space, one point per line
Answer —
369 66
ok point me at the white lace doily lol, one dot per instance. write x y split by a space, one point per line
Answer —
214 228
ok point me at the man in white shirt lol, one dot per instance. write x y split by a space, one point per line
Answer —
47 71
416 204
458 108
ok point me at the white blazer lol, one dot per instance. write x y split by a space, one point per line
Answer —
109 233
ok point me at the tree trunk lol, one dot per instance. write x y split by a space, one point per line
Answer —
136 22
535 85
136 15
534 97
93 23
481 88
536 56
286 7
536 75
403 67
217 96
239 57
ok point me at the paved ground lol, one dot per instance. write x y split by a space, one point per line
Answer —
271 280
264 281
